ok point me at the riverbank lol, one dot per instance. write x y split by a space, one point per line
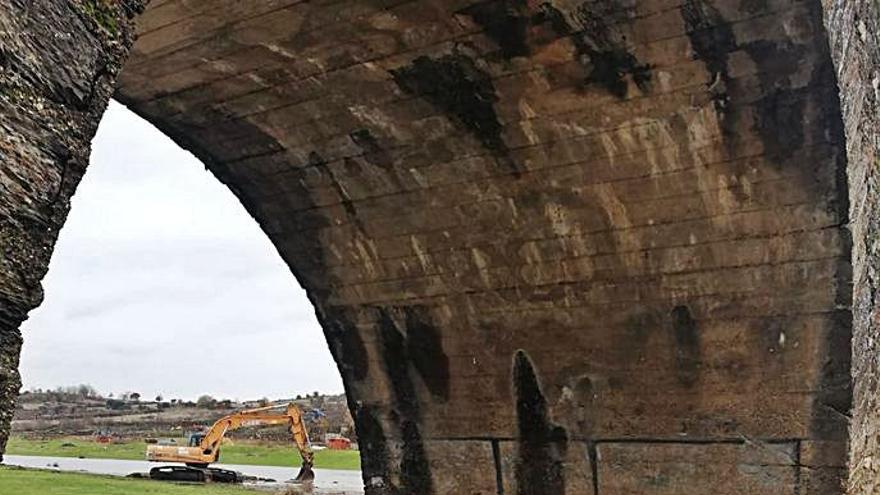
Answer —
245 452
19 481
270 479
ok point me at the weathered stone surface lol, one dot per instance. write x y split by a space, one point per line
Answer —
58 62
822 467
854 28
452 467
721 469
540 226
573 465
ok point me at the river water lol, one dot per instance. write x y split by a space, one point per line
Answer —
327 481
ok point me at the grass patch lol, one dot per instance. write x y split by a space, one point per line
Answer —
240 452
72 447
102 13
38 482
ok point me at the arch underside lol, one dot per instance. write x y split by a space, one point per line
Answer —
560 247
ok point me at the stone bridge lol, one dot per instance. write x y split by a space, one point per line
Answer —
596 247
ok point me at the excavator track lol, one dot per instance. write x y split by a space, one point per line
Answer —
195 474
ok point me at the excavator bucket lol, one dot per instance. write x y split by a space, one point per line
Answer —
305 473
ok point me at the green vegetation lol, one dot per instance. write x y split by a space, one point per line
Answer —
37 482
102 13
283 455
240 452
72 447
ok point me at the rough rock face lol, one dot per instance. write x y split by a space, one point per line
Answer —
573 246
58 62
855 41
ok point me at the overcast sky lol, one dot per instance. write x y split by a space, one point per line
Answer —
161 283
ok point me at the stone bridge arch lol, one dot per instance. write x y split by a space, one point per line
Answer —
555 247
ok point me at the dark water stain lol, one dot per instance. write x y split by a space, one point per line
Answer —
347 346
687 345
584 399
418 347
601 45
315 160
829 126
834 397
606 45
779 119
711 36
593 456
415 474
578 410
712 40
424 347
779 113
553 18
455 85
374 154
610 68
352 167
516 27
542 444
639 325
372 443
753 6
499 470
506 22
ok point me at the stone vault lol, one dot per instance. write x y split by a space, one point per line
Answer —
556 247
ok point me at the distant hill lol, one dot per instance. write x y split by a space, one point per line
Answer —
81 411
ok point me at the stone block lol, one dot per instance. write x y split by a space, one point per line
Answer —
677 468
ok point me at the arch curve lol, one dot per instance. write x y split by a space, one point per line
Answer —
644 202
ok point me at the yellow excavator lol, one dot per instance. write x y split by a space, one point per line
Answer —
204 448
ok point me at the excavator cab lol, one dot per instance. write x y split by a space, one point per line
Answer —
195 439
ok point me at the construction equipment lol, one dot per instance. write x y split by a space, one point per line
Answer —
103 436
204 448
